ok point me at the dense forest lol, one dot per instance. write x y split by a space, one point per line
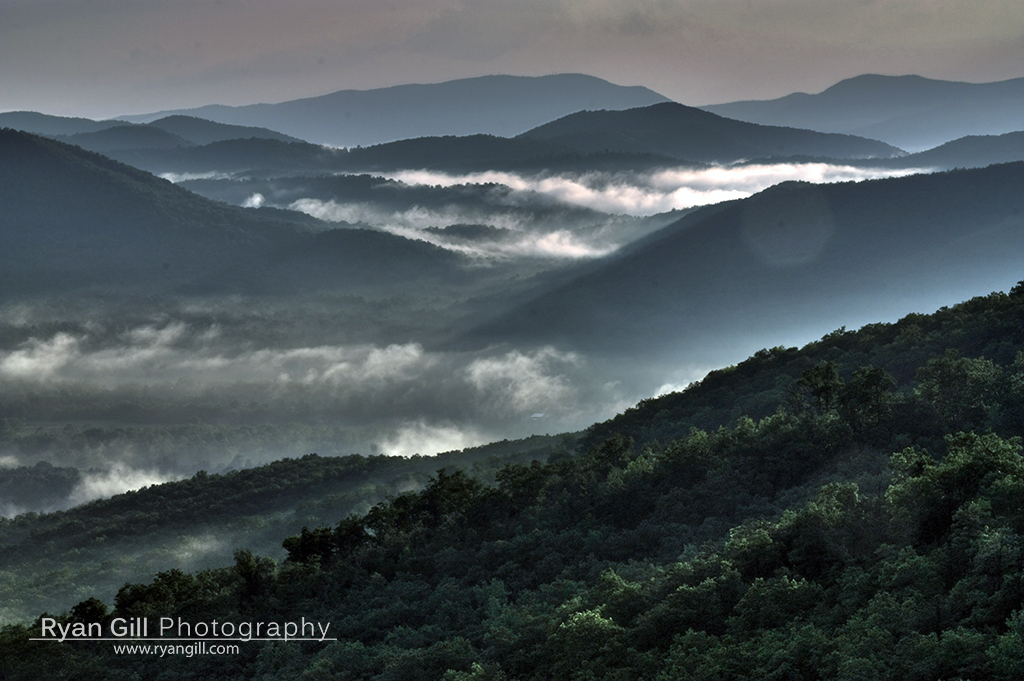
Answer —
848 510
48 560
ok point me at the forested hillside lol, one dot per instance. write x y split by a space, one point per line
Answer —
50 559
849 510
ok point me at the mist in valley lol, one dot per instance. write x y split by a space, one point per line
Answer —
135 389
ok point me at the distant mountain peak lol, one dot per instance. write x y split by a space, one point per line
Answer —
502 105
908 111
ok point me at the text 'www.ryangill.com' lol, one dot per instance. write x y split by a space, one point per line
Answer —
187 650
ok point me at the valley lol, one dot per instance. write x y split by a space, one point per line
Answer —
575 373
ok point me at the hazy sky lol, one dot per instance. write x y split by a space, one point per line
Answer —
100 58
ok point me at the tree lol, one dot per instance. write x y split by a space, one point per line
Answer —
818 390
867 398
962 390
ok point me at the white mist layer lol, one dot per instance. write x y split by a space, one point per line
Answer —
410 400
419 437
185 177
645 194
520 240
116 480
619 196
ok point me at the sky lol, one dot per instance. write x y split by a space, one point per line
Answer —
104 58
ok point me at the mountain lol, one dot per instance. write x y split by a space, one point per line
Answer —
234 155
126 137
74 218
660 134
641 138
49 126
497 105
456 154
95 135
793 261
976 151
910 112
200 131
683 132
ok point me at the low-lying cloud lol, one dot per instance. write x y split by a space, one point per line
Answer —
117 479
420 437
529 213
645 194
185 177
520 237
403 398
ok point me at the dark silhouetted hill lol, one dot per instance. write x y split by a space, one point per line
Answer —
234 155
73 218
975 151
683 132
126 137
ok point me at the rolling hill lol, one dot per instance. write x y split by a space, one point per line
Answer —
126 137
910 112
974 151
74 219
100 136
50 126
497 105
200 521
200 131
795 261
641 138
683 132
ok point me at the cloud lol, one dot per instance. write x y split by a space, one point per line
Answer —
516 235
185 177
420 437
482 31
402 396
525 382
254 201
190 549
119 478
638 17
40 358
644 194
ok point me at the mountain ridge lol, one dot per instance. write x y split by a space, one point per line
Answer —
911 112
500 105
694 134
795 258
113 224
